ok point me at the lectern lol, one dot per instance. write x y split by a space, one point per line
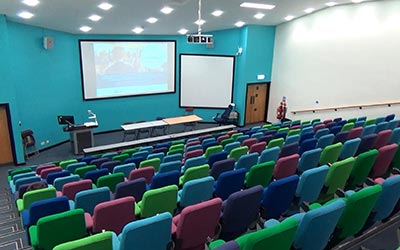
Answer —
81 136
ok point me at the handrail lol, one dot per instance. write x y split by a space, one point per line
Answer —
360 106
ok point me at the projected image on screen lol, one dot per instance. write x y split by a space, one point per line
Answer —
125 68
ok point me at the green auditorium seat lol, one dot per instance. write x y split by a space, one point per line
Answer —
348 126
120 157
156 201
65 163
83 170
35 195
237 152
100 241
362 167
155 163
260 174
212 150
276 143
194 173
330 154
110 181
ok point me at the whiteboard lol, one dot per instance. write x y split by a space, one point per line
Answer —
206 81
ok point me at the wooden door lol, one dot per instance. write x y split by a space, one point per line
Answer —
6 155
256 102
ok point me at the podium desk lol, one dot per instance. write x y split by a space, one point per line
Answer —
81 136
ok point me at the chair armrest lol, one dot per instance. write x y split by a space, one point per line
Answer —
305 206
340 193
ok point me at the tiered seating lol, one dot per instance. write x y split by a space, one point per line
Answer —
271 170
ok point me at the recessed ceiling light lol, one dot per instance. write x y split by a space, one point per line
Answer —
85 28
259 15
217 12
200 22
357 1
257 6
95 18
152 20
25 14
138 30
183 31
31 3
288 18
330 4
105 6
309 10
167 10
239 24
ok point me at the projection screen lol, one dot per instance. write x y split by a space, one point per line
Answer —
206 81
126 68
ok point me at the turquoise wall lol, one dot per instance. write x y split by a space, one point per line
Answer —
45 83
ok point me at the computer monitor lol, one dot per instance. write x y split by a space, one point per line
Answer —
66 119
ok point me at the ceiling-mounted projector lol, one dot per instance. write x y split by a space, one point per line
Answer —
200 38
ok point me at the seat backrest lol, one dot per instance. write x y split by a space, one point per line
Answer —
278 236
367 143
276 143
269 154
19 194
109 165
286 166
61 181
349 148
383 160
318 223
257 147
362 167
213 150
81 171
141 233
98 241
65 163
52 176
306 135
395 137
330 154
136 160
94 175
39 168
237 152
222 166
110 181
246 161
388 199
113 215
72 188
249 142
311 183
121 157
155 163
194 173
99 161
325 140
393 124
338 174
193 162
109 155
229 146
45 172
26 180
196 191
135 188
260 174
321 132
197 223
309 159
87 159
381 126
217 157
383 138
307 144
73 166
369 129
341 137
289 149
229 182
348 126
36 195
145 172
170 166
159 200
278 196
358 207
165 179
355 133
88 199
233 220
59 228
42 208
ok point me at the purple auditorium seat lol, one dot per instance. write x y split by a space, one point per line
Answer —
240 210
221 166
341 137
290 149
109 165
135 188
367 143
99 161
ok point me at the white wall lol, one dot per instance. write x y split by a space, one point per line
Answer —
344 55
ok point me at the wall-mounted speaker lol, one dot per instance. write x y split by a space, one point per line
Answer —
48 42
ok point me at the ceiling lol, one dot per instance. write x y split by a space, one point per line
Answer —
70 15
